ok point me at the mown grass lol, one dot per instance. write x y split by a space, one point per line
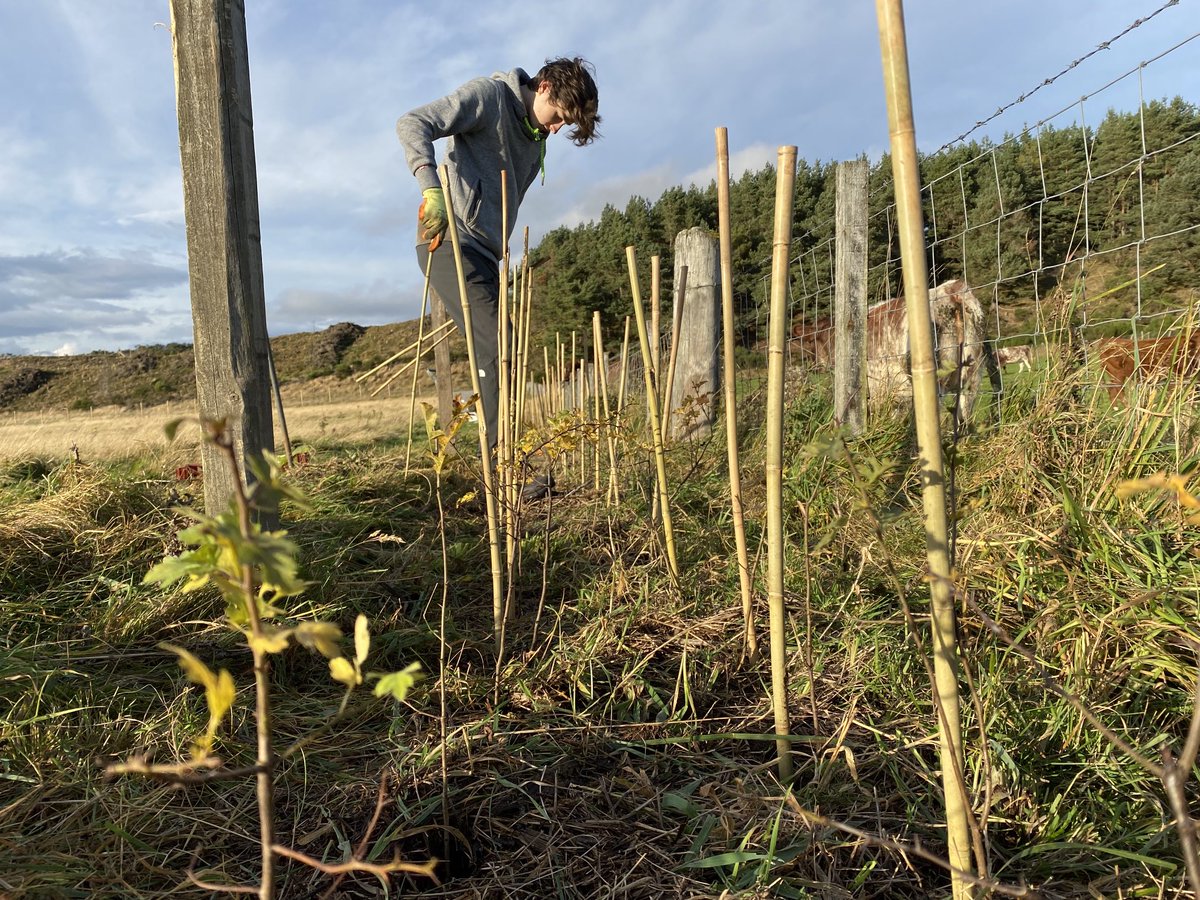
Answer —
622 751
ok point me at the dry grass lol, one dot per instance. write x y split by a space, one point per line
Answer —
627 751
325 410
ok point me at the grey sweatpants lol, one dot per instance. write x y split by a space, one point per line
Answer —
483 294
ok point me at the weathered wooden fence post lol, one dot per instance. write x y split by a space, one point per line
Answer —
850 298
696 373
220 197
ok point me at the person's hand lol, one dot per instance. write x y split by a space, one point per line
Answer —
431 217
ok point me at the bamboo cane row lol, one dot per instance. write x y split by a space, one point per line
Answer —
582 401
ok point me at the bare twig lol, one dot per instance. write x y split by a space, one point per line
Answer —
355 865
220 888
380 803
913 849
180 773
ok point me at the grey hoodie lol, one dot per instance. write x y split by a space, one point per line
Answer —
485 123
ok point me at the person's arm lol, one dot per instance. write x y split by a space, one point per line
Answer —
459 112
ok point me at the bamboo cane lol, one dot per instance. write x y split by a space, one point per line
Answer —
785 182
624 371
287 440
614 494
395 356
656 312
597 362
660 461
528 291
655 351
730 370
559 351
523 370
577 403
906 177
507 483
508 473
485 452
581 400
546 399
412 394
442 338
623 379
676 327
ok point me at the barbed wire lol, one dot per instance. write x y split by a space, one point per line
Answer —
1104 45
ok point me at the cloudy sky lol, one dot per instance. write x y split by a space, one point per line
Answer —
92 248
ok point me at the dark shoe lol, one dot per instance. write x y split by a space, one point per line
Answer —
539 487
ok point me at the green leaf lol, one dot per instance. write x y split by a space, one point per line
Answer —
196 671
362 639
269 487
733 857
272 640
398 684
323 637
172 427
341 669
220 700
219 694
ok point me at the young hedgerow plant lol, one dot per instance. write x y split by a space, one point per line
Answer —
254 570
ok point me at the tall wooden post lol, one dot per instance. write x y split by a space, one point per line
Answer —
850 298
696 373
220 197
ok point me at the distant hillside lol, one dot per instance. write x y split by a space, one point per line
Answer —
156 374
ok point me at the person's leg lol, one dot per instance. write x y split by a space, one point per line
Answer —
482 276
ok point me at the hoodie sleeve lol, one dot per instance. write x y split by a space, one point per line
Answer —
465 110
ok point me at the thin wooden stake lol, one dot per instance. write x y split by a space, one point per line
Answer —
906 178
676 328
412 393
656 312
660 461
614 494
399 353
624 371
785 183
730 386
287 440
443 336
485 451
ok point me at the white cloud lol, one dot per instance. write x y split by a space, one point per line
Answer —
89 155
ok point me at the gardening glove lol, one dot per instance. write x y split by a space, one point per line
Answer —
431 217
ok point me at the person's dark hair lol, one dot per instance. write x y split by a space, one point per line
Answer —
573 89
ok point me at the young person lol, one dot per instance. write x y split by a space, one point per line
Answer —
493 125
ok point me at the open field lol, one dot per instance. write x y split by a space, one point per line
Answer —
112 431
623 746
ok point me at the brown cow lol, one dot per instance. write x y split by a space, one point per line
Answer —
1021 354
960 343
1152 359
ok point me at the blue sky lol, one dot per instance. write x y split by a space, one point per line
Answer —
92 247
